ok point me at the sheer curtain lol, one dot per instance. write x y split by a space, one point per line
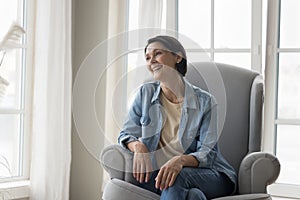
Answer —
116 67
150 16
51 125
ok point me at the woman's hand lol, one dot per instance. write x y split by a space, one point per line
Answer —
142 166
170 170
168 173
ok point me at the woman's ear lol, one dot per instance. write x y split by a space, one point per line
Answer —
179 57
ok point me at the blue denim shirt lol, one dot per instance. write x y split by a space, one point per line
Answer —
198 131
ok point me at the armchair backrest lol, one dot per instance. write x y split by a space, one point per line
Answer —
243 96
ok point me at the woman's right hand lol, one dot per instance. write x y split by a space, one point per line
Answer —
142 166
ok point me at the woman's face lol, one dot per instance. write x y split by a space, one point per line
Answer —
160 61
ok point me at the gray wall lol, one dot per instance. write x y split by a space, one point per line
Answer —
89 29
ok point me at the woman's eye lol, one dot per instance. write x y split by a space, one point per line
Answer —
157 53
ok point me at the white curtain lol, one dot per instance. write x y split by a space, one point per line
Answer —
115 69
150 16
51 125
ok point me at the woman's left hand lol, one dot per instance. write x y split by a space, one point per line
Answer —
168 173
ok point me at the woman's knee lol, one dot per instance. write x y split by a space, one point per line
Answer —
183 178
179 193
195 194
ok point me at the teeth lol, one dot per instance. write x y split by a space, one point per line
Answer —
157 67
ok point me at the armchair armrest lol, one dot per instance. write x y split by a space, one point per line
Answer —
257 171
117 161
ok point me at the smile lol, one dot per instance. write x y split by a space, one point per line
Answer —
157 67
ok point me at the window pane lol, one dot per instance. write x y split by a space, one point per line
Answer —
9 145
9 12
289 24
198 57
289 86
232 24
194 21
10 74
238 59
288 151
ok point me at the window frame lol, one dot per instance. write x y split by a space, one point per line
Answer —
256 33
25 109
273 51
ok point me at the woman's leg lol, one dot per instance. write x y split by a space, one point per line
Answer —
195 193
198 183
150 185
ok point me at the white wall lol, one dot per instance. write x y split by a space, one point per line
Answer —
89 29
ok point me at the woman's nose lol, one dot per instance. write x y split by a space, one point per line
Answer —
152 59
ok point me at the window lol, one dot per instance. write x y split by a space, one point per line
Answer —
14 105
283 113
214 29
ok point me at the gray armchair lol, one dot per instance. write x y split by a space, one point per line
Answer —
240 141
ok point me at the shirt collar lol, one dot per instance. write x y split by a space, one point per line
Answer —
190 99
156 93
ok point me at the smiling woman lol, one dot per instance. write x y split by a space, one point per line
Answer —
171 128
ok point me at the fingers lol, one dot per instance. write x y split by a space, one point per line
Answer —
147 176
142 173
158 179
165 178
162 179
148 171
138 170
142 167
135 167
173 178
168 180
163 183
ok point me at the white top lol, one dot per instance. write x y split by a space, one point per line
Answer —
169 145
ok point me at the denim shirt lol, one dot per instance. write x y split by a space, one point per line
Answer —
198 133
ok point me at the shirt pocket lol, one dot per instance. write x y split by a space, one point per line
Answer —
151 122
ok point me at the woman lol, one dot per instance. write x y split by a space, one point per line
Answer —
172 131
